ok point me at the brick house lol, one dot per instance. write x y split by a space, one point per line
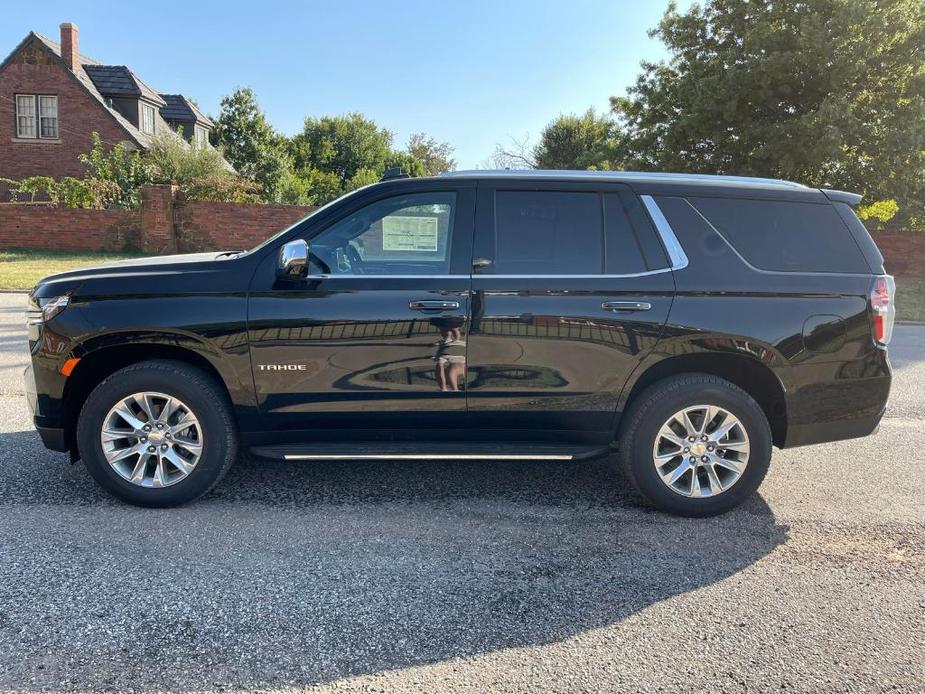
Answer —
52 98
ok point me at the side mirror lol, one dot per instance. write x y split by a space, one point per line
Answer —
293 260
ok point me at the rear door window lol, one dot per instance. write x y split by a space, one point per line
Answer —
548 233
784 236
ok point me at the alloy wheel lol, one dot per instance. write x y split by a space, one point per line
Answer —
151 439
701 451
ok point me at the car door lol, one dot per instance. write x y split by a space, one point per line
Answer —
374 338
571 289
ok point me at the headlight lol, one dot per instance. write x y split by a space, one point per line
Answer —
43 310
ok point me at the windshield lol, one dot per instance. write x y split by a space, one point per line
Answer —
309 215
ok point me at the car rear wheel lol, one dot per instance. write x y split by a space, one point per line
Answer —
695 445
157 433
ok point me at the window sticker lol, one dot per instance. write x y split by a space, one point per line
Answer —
418 234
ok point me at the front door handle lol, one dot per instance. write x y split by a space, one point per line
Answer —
626 306
425 305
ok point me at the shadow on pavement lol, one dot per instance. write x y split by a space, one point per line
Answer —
306 573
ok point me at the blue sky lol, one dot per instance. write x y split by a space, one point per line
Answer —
471 73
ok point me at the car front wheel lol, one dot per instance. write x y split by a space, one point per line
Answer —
157 433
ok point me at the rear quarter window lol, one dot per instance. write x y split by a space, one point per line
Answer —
785 236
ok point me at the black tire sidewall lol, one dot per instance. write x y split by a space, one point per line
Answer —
660 404
189 385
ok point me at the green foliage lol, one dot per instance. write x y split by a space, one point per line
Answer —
249 142
576 142
881 211
68 192
363 177
173 160
323 185
341 145
124 170
408 163
295 190
74 192
436 157
334 155
222 188
32 186
826 92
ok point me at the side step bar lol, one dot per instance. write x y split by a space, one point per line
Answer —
428 450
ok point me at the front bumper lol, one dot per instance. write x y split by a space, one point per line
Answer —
50 429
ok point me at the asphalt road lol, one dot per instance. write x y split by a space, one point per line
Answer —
466 577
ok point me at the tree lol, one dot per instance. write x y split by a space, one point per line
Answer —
825 92
341 145
576 142
249 142
436 157
408 163
517 154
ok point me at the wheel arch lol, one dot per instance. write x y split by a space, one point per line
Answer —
107 355
749 374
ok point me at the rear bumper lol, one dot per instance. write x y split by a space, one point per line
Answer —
847 400
824 432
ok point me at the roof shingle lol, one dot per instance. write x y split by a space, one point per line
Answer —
118 80
181 110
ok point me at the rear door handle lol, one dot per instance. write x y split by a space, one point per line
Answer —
426 305
626 306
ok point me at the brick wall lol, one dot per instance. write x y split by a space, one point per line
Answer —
35 71
230 226
903 252
163 224
42 226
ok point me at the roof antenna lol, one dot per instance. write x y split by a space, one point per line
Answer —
393 173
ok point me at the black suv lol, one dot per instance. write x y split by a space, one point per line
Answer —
683 324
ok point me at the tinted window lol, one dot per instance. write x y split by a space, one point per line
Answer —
862 236
408 234
548 233
785 236
624 255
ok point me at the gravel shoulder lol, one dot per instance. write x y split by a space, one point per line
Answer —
473 577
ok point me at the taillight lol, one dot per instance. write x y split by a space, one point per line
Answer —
883 308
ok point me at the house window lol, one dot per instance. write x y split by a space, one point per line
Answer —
36 116
201 137
48 116
147 119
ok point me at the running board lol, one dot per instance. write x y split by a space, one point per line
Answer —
428 450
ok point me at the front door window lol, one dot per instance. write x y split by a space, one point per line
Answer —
403 235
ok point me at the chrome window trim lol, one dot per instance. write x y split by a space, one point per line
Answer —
488 276
675 251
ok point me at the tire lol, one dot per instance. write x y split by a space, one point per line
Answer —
642 437
194 397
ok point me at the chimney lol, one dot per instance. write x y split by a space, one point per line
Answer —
69 49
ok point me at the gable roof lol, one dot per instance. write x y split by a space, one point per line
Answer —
141 139
182 110
114 81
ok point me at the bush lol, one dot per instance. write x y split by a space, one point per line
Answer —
173 160
123 173
32 186
222 188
